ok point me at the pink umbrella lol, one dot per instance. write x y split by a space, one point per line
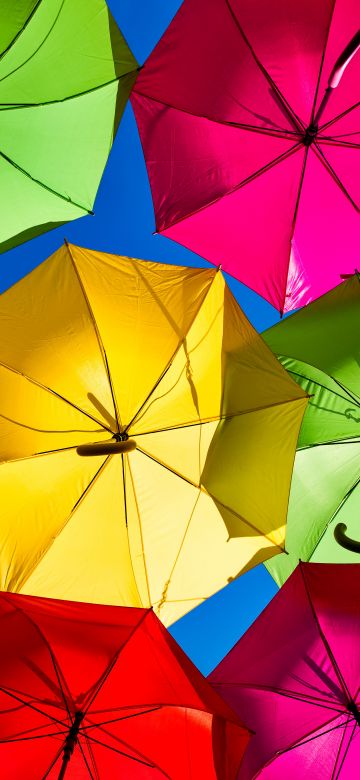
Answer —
249 116
295 677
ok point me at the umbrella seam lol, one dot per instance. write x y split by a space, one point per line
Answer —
290 111
54 660
264 169
127 530
52 541
17 106
19 33
206 493
322 61
173 356
293 225
323 637
331 171
54 392
46 187
98 335
277 133
114 660
339 116
141 534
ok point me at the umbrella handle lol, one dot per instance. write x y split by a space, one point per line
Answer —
106 447
337 73
346 541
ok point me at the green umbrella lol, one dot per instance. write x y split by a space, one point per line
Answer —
65 75
319 346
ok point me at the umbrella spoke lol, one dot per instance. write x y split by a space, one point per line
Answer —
333 174
303 697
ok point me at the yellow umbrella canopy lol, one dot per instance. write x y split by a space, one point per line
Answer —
192 425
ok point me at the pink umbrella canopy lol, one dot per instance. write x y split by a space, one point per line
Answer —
295 677
249 115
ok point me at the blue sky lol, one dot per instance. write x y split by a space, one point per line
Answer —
124 224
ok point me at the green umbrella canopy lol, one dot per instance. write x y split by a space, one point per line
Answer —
65 75
320 347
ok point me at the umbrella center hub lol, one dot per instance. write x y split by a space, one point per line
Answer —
310 135
352 707
121 436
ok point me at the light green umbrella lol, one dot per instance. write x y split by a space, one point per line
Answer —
65 75
320 347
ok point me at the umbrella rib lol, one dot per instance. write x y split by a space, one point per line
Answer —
302 697
120 718
310 737
337 775
141 533
47 643
322 62
201 489
34 736
293 226
321 157
323 637
172 358
53 762
272 131
149 764
289 110
97 334
85 759
33 707
67 520
264 169
220 417
334 141
19 32
114 660
43 185
315 382
18 106
339 116
53 392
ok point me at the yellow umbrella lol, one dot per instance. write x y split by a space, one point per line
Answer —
192 425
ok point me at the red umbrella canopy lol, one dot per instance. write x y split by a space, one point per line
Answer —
248 114
91 691
296 675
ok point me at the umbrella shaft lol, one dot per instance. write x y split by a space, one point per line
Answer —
63 769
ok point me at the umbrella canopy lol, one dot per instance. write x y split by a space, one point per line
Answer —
248 115
65 75
88 691
319 346
295 674
189 420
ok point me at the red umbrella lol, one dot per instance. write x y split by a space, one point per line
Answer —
88 691
248 114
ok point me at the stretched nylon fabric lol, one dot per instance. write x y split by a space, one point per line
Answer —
222 119
92 345
65 75
295 674
319 348
148 712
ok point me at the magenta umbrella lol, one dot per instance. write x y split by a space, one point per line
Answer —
249 117
295 677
